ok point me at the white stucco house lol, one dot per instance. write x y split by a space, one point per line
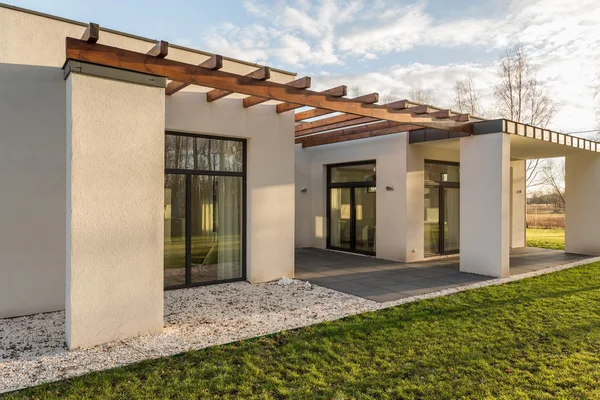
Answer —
130 166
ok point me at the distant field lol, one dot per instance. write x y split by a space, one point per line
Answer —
546 238
544 216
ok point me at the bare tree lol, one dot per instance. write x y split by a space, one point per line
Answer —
356 91
522 97
466 96
596 89
553 177
419 94
390 96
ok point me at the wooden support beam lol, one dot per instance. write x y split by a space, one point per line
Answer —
461 117
160 49
366 132
92 33
338 91
187 73
317 112
302 83
213 63
261 74
326 124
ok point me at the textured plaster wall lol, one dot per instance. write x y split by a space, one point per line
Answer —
32 194
518 204
485 204
115 199
270 173
582 213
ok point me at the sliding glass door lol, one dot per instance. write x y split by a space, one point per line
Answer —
352 207
442 208
204 210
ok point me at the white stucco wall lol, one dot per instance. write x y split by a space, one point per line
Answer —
32 198
518 204
582 213
115 200
270 171
485 204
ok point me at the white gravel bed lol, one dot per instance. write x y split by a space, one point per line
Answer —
32 349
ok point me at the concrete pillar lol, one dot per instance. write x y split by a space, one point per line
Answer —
518 204
413 207
115 200
582 218
485 204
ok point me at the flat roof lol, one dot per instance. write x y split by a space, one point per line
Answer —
84 24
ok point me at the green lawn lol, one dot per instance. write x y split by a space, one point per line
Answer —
546 238
538 338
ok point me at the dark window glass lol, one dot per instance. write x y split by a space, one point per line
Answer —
442 172
354 173
203 154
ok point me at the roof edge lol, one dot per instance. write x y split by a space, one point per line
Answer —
132 36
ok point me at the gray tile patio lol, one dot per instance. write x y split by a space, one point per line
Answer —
382 280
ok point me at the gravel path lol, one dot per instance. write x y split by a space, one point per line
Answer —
32 349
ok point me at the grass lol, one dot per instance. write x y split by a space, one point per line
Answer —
537 338
546 238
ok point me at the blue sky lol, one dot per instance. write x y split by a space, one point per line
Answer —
379 45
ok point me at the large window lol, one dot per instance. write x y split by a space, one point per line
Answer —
205 185
352 207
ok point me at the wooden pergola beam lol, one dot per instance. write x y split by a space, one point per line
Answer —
302 83
338 91
317 112
187 73
261 74
213 63
367 132
92 33
326 124
160 49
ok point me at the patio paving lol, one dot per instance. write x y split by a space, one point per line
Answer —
382 280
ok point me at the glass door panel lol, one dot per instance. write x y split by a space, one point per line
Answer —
216 228
340 234
451 219
365 201
175 222
432 221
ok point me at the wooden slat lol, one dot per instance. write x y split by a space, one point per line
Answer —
367 132
188 73
213 63
441 114
261 74
317 112
160 49
339 121
302 83
338 91
92 33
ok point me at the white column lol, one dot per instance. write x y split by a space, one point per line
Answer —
485 204
518 200
582 186
115 201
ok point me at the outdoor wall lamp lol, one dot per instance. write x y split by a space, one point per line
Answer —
304 190
389 188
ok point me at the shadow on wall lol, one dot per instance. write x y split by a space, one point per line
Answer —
33 182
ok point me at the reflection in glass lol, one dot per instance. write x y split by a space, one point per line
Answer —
365 219
174 230
340 230
442 172
216 228
353 173
432 221
203 154
451 219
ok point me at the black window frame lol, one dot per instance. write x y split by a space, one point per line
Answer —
351 186
188 173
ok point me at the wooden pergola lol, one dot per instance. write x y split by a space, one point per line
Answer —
326 116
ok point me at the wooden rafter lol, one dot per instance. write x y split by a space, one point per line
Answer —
213 63
160 49
317 112
192 74
325 124
302 83
92 33
372 130
261 74
338 91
